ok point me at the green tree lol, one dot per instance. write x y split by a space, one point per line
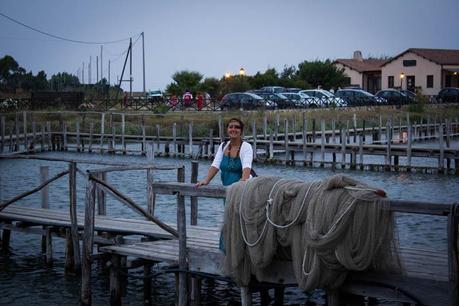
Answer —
323 74
269 78
184 80
64 81
10 74
212 86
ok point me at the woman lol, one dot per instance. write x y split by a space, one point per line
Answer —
234 157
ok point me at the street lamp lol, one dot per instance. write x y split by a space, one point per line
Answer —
402 76
241 72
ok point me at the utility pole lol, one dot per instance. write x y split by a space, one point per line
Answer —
89 70
97 69
109 72
143 60
130 67
101 61
82 75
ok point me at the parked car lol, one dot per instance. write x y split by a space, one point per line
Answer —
244 100
278 98
409 94
395 97
358 97
302 100
448 95
325 97
273 89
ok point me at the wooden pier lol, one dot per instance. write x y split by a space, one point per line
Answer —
431 279
389 146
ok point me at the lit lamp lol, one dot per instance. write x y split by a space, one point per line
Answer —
402 76
227 75
241 72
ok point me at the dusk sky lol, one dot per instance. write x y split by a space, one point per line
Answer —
214 37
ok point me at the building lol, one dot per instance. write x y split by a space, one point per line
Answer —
362 73
416 69
423 70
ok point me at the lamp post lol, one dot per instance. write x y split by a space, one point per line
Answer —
402 76
241 76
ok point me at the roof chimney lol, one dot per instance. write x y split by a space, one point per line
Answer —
358 55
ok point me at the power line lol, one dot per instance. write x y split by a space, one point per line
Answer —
63 38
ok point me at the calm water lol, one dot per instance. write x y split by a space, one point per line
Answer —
26 280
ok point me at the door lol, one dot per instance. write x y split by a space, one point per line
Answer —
410 83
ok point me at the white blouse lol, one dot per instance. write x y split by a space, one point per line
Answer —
245 154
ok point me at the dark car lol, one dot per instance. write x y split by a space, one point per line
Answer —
244 100
358 97
395 97
448 95
278 98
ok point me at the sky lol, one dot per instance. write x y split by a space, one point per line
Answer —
214 37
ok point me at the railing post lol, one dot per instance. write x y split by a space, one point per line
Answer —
44 171
73 218
194 200
88 242
181 227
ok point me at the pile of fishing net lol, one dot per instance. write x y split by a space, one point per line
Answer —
326 228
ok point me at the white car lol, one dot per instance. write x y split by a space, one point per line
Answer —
326 98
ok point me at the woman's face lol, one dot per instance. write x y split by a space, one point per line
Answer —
234 129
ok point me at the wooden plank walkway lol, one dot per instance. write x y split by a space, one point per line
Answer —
121 226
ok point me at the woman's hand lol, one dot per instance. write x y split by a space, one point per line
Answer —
203 182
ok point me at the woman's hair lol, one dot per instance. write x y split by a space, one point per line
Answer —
238 121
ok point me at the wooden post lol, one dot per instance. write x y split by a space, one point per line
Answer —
190 139
48 128
361 139
42 138
102 132
49 246
24 121
265 127
276 127
313 130
271 146
305 138
181 227
408 149
32 145
88 243
73 217
100 196
322 142
16 126
64 132
151 196
286 140
246 296
144 141
363 130
91 130
343 148
123 133
388 156
354 123
147 298
211 151
111 142
78 140
294 127
115 280
174 139
194 200
254 132
441 158
333 131
44 193
2 127
158 128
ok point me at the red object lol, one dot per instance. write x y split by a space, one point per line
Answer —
199 102
380 192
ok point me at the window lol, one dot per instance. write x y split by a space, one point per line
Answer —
430 83
409 63
390 81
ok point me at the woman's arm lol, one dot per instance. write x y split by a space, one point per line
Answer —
210 175
246 156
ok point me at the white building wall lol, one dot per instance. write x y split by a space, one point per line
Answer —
423 68
356 77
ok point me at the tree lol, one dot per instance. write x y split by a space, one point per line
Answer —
212 86
64 81
323 74
184 80
10 73
269 78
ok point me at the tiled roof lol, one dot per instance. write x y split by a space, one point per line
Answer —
439 56
362 65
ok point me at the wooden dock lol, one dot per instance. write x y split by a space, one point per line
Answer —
431 278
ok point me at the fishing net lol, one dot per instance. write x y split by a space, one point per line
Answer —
325 228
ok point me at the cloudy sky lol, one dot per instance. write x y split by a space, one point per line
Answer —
215 36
